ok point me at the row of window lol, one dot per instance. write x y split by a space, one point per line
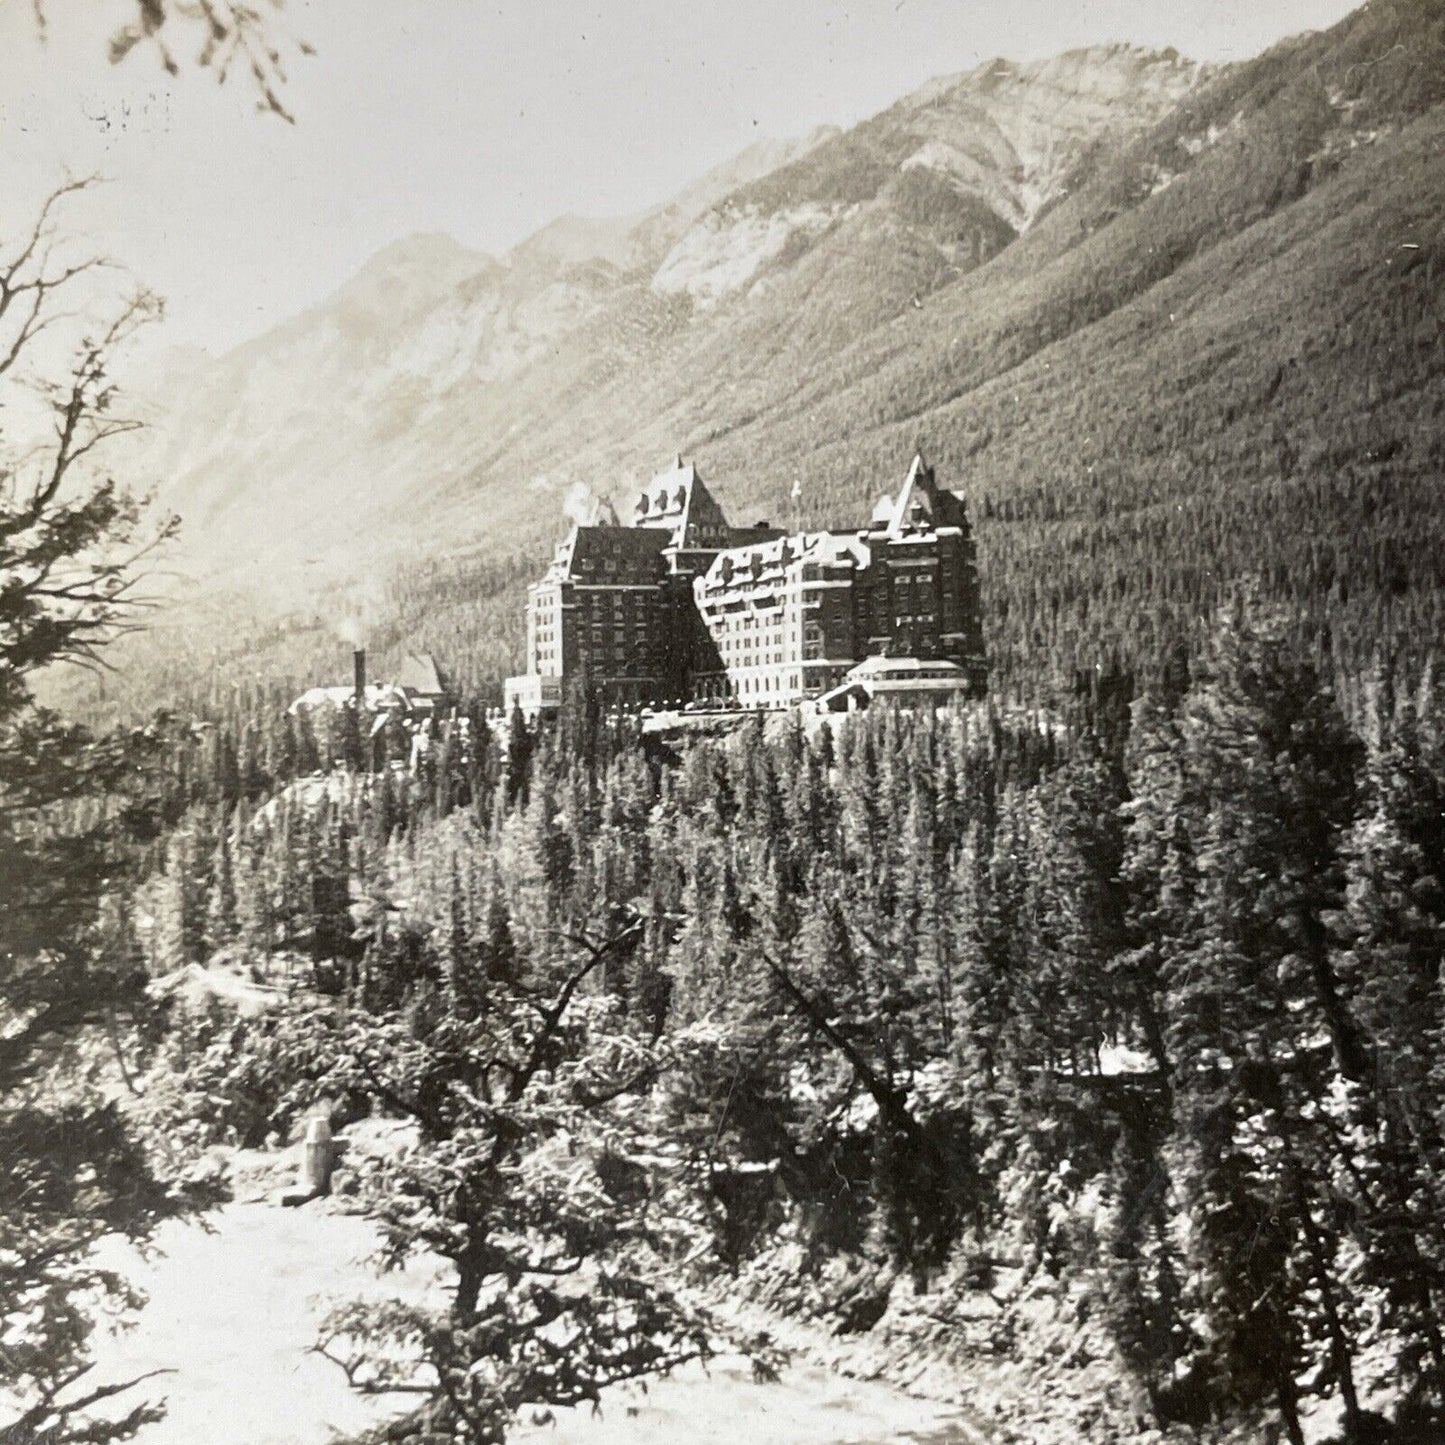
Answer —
620 627
771 686
627 568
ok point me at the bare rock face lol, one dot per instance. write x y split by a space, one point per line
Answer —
1006 137
1015 134
726 250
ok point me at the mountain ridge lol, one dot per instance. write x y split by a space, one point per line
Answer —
427 321
915 313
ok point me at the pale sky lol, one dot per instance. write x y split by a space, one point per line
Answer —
486 120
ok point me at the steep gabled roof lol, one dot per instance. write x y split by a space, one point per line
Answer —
921 500
587 550
677 500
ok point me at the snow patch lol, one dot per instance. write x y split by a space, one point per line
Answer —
1116 1059
1159 179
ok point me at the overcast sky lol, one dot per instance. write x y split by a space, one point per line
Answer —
486 120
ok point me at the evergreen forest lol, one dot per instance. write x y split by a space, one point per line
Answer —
1088 1040
1133 1007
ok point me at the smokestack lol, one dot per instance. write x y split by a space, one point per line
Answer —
358 670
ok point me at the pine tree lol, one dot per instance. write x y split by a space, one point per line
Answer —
221 926
1391 933
519 756
78 814
463 985
255 913
1275 767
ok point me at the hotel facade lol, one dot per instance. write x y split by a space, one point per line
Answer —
679 607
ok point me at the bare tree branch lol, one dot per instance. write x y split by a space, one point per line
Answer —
552 1017
70 543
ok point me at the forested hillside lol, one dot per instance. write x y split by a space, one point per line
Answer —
1101 1056
1086 1037
1211 348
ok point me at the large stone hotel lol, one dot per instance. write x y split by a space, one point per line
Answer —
679 607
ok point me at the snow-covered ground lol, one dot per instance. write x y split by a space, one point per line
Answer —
233 1311
723 1405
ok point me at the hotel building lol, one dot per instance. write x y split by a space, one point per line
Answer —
680 606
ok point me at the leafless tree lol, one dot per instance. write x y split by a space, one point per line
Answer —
71 541
70 538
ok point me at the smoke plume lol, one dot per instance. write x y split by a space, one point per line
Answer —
580 504
355 612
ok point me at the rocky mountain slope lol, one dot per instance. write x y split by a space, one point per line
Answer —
1167 327
400 385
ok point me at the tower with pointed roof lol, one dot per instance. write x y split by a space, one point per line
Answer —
791 617
921 598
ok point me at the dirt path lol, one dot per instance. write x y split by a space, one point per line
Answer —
233 1311
724 1406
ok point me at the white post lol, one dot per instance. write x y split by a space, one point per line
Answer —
316 1167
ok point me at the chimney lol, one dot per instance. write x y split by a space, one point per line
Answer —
358 670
